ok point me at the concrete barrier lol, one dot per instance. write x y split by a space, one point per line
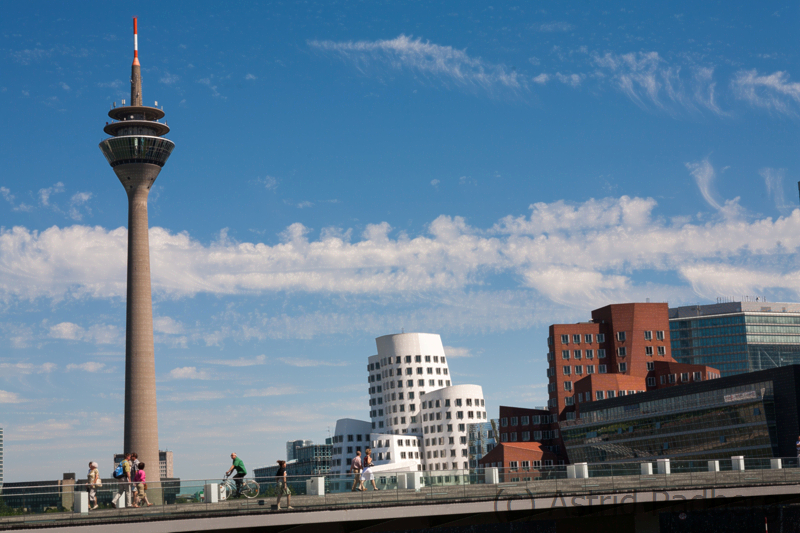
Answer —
211 492
81 503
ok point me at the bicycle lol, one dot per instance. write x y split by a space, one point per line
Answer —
250 488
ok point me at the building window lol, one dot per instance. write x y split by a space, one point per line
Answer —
602 369
662 350
576 339
648 335
663 380
651 366
621 336
427 358
564 354
569 400
610 394
514 421
599 395
417 358
698 376
601 353
622 351
588 338
513 436
526 420
564 339
651 382
430 370
660 335
526 435
590 369
648 350
684 376
601 337
566 370
589 354
568 386
672 378
421 382
578 370
623 367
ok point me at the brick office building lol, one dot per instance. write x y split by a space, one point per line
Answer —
519 461
624 350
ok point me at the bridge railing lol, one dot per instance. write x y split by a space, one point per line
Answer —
49 503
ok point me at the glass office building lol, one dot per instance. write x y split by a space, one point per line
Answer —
754 415
736 337
482 438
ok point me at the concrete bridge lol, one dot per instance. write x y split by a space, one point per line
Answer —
621 504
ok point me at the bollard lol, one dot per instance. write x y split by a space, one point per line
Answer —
647 469
737 462
570 471
315 486
776 464
414 481
582 470
663 466
713 466
211 492
81 503
491 476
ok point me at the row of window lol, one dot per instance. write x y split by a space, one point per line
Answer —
450 440
526 435
603 395
399 360
526 420
409 371
578 369
430 404
601 338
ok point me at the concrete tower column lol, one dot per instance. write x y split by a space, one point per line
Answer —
137 151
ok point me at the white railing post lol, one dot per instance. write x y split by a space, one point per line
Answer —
414 481
491 476
776 464
713 466
570 471
211 492
737 462
663 466
647 469
315 486
582 470
81 502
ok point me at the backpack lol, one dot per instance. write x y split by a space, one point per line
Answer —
119 472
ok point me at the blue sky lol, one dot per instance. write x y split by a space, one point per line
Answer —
344 171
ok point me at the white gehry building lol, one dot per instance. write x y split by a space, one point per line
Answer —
418 419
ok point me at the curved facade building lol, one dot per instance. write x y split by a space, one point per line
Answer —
416 413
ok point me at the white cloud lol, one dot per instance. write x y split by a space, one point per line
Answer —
46 193
79 200
89 366
10 397
241 362
269 182
10 369
549 27
189 372
773 92
304 363
435 183
197 396
453 351
541 79
270 391
250 77
444 63
96 333
649 81
573 80
63 86
773 180
169 79
167 325
704 175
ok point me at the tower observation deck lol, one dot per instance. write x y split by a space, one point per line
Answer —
137 150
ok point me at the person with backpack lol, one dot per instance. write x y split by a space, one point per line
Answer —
123 476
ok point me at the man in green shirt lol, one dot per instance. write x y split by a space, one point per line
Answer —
241 471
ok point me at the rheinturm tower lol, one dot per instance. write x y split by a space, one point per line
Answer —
136 151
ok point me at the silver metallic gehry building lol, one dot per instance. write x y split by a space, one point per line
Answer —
137 151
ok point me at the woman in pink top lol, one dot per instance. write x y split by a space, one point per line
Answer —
141 482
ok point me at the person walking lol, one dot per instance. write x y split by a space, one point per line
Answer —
124 483
366 473
283 487
241 471
355 468
93 482
134 471
141 485
797 445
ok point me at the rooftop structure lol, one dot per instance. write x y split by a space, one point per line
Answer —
736 337
137 151
292 445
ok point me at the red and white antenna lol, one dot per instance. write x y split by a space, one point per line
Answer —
135 43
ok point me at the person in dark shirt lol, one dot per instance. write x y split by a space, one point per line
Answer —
283 487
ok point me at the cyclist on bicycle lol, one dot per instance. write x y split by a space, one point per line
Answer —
241 471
